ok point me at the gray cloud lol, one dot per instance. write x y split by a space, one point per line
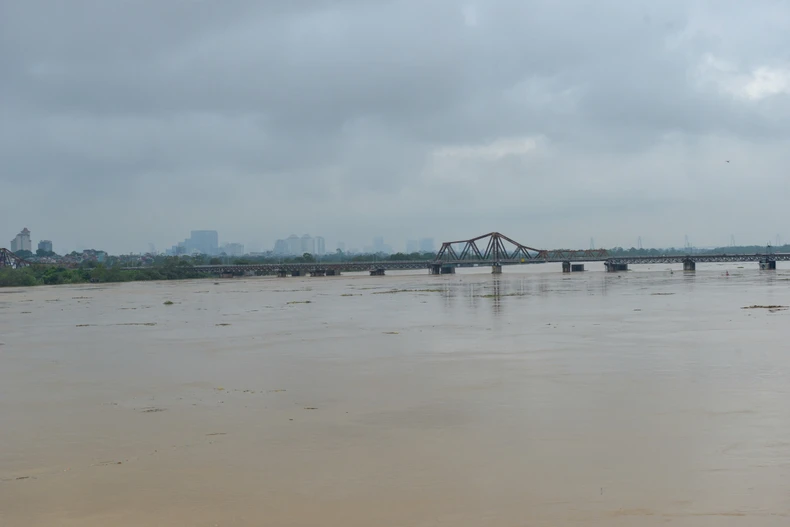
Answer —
124 123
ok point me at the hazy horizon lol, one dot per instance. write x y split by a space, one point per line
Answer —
551 123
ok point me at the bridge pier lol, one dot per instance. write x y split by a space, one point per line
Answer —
766 264
298 272
332 272
282 273
613 267
318 272
496 269
568 267
689 265
377 272
441 269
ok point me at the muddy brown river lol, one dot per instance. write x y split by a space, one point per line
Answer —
533 398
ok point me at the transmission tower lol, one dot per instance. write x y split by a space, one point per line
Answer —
639 243
732 240
592 244
687 243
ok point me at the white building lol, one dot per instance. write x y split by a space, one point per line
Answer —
21 242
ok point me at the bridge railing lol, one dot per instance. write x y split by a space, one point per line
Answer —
572 254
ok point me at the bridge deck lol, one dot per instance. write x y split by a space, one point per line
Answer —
273 268
700 258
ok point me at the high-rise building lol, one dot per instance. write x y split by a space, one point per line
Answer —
281 247
294 244
45 245
378 244
233 249
412 246
21 242
320 245
203 242
308 244
199 242
341 246
426 245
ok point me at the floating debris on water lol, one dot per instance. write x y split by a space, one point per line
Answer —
770 308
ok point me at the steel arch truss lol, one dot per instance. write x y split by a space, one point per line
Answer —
491 247
9 259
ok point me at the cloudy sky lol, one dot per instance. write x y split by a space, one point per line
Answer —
129 122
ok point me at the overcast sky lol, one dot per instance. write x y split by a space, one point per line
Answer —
129 122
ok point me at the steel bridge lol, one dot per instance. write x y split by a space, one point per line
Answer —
9 259
492 249
495 250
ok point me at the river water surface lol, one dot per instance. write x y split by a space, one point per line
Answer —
529 399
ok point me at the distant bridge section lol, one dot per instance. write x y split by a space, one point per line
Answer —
766 261
314 268
700 258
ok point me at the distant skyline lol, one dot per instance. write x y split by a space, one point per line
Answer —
410 245
551 122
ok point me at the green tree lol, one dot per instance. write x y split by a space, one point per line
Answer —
17 277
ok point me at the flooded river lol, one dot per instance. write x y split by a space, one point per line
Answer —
528 399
